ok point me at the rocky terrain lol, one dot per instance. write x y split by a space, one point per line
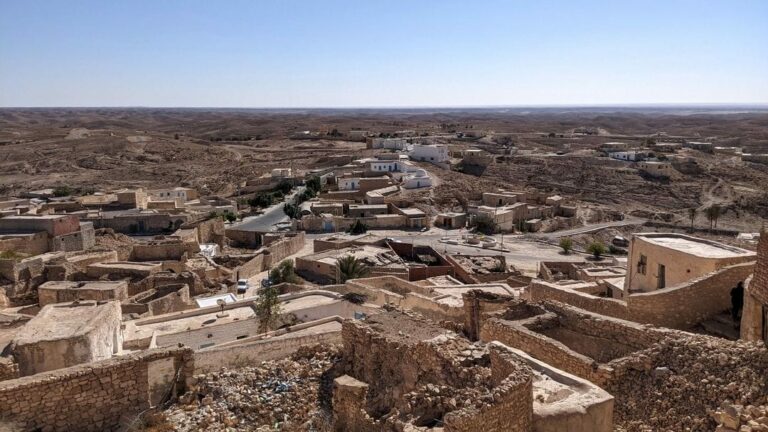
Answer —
276 395
688 381
215 150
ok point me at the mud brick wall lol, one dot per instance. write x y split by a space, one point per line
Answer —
94 397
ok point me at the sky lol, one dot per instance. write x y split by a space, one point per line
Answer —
389 53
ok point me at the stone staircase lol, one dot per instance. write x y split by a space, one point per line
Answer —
721 325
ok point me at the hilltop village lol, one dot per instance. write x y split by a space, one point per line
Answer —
393 288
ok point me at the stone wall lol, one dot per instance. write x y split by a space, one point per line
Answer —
247 352
618 344
289 245
33 244
755 313
681 306
251 267
79 240
686 305
162 250
95 397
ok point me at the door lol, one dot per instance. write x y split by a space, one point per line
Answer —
662 276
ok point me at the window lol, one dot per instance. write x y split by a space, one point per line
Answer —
642 264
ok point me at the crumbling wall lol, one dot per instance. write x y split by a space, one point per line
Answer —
97 396
512 405
604 337
162 250
33 244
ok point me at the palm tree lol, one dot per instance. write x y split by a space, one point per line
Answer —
713 213
351 268
692 216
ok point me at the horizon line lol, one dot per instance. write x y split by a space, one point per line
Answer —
762 105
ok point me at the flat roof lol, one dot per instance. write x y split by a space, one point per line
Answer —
412 211
190 322
63 321
695 246
212 300
89 285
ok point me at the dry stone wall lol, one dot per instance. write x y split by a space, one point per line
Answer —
95 397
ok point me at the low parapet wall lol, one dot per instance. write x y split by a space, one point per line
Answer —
271 346
94 397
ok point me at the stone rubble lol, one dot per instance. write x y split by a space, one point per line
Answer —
689 382
275 395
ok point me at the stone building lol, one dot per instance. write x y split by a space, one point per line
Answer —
402 372
64 335
754 318
67 291
660 260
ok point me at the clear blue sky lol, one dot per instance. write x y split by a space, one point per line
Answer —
328 53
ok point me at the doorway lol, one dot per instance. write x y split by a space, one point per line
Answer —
662 281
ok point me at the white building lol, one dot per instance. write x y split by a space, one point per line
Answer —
629 156
434 153
419 179
349 183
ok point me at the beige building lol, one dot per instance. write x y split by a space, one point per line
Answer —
67 291
658 169
64 335
661 260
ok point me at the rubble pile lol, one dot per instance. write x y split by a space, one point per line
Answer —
687 380
280 394
107 238
738 418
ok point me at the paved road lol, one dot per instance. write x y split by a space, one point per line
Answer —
270 217
629 220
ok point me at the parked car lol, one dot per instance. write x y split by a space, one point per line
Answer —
242 286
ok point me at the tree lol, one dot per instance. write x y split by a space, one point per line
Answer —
351 268
229 216
713 214
293 211
283 272
485 225
597 249
285 186
358 228
62 191
566 243
692 216
314 184
261 200
267 307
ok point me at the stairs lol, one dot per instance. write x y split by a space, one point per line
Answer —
721 325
